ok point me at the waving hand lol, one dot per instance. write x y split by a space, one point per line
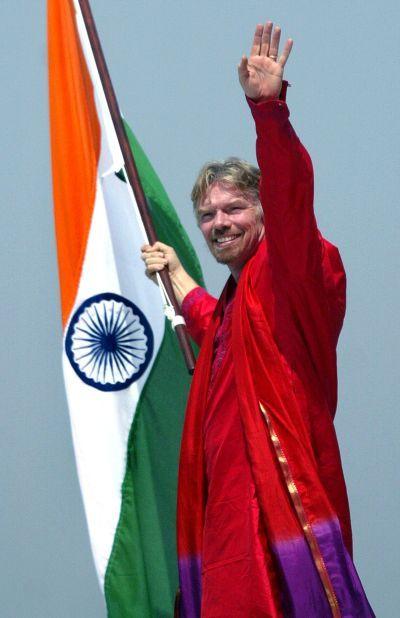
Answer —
261 74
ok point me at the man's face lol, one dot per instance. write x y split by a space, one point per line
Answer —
231 224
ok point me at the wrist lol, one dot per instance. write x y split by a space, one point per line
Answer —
263 99
182 283
278 95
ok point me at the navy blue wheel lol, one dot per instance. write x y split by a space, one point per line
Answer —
109 342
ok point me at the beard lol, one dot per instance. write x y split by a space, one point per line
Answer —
234 256
226 256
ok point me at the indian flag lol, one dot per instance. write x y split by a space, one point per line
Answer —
125 380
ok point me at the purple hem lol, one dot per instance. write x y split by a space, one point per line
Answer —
190 585
303 593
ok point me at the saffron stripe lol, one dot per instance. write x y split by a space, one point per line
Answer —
75 146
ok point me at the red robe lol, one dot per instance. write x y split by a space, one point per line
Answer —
263 519
236 556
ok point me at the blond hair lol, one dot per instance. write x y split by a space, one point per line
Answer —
233 172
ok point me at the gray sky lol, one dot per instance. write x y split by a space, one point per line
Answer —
174 70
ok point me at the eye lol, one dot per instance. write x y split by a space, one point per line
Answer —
205 216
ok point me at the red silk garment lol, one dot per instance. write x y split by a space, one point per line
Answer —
287 313
238 573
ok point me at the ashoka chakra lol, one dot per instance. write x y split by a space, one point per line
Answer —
109 342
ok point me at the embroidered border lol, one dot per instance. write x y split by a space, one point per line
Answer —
307 529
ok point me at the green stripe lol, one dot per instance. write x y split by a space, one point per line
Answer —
141 577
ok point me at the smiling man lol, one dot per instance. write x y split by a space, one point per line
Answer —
231 219
263 518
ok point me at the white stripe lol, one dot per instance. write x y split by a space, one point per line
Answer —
111 158
101 420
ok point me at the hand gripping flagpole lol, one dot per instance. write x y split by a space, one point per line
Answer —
133 176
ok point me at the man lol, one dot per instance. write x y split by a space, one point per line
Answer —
263 519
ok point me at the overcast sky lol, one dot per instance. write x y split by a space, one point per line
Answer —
173 65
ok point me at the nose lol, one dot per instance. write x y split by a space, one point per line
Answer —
221 220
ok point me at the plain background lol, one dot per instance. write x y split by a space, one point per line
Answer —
174 70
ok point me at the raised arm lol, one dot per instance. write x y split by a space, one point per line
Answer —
286 188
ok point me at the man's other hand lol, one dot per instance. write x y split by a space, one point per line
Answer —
159 256
261 74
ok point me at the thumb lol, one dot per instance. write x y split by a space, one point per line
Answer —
242 67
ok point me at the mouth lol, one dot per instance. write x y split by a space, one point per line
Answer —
225 241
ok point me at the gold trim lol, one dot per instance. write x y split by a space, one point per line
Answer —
308 531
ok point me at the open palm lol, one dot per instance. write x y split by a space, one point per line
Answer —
261 74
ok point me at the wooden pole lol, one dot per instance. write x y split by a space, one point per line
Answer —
131 169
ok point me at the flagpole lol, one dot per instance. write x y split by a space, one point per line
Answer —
131 170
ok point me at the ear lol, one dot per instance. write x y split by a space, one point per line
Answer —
260 210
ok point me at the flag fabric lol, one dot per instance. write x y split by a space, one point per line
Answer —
125 379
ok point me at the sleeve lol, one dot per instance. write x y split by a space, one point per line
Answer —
296 248
286 191
307 273
197 309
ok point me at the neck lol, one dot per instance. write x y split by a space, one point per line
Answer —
235 272
236 269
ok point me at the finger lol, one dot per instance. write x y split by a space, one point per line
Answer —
154 254
160 246
266 39
274 46
155 262
286 52
152 269
157 247
255 50
150 261
148 248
